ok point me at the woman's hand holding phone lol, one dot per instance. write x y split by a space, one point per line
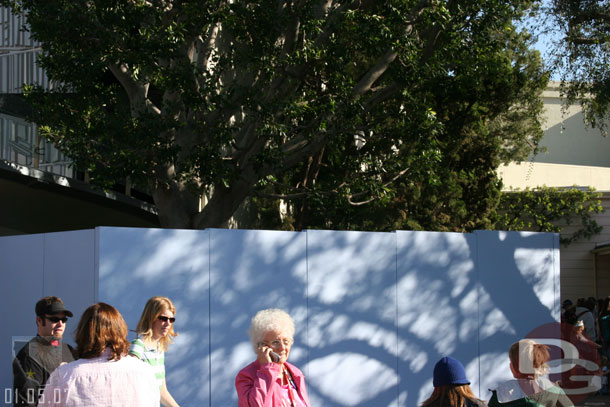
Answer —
266 355
274 357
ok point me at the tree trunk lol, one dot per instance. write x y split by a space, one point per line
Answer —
176 206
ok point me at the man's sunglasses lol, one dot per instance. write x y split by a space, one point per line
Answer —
57 319
165 319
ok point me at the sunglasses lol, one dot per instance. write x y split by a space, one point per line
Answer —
57 319
165 319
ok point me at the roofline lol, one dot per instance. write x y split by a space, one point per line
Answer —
602 248
84 190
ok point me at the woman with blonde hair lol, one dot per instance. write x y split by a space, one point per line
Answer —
451 387
155 331
528 364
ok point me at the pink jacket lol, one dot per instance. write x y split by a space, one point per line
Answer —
257 386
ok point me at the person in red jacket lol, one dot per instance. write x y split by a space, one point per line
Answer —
270 381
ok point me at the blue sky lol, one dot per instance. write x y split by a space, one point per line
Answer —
545 33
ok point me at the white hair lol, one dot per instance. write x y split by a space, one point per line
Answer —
272 319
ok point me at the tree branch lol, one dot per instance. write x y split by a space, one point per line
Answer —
586 41
136 92
306 191
332 18
205 47
349 200
321 10
384 62
349 197
375 72
284 196
381 95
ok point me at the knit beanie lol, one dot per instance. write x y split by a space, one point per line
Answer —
449 371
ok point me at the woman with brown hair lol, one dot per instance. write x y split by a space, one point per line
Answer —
528 364
451 387
155 333
103 376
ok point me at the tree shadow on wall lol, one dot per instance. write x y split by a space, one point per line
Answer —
519 291
373 311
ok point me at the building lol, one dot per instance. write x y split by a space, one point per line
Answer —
575 156
40 189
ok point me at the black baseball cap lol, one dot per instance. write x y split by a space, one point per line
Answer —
53 308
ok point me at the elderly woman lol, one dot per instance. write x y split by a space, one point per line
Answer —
451 386
103 376
529 387
270 381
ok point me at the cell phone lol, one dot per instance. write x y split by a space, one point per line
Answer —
274 356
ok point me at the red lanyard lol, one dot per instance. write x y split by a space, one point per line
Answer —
290 386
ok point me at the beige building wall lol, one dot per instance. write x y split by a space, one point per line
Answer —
567 140
575 156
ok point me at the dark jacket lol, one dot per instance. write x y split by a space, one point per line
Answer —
554 397
32 367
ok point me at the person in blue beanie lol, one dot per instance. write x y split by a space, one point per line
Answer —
451 386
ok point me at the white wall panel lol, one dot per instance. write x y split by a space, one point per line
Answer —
518 293
251 270
437 308
69 272
21 268
136 264
351 329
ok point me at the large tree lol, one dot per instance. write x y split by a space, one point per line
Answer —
332 106
581 54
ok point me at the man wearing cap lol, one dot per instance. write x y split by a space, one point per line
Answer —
43 354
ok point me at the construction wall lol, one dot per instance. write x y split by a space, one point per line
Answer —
373 311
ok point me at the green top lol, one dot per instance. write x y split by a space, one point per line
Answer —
153 357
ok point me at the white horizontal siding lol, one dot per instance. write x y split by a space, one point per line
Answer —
582 275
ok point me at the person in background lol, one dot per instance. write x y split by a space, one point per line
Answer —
580 340
584 312
43 354
604 326
103 376
270 381
155 331
567 311
595 310
451 387
529 387
587 349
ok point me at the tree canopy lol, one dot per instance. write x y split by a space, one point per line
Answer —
335 107
569 211
582 54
